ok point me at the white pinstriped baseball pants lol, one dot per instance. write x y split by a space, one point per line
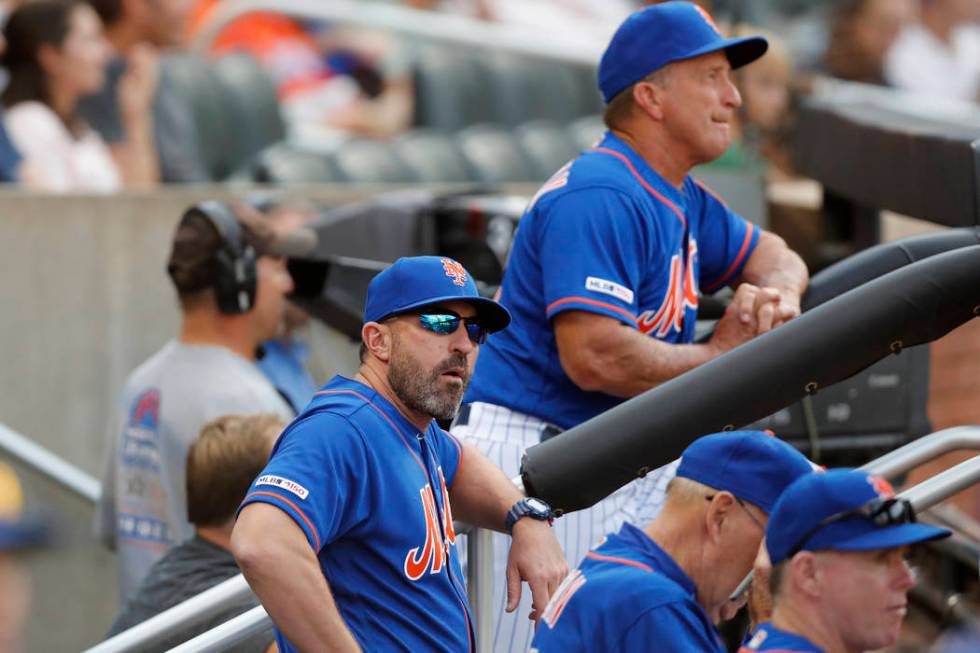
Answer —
503 435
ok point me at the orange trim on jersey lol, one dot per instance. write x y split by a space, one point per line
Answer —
621 561
643 182
594 302
380 412
316 538
738 260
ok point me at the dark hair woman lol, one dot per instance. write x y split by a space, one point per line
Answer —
56 53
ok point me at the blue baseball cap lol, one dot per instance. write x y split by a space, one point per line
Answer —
755 466
815 513
413 282
664 33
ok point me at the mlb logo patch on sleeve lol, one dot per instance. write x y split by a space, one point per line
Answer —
285 484
607 287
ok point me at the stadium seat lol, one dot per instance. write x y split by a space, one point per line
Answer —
547 144
369 161
495 155
433 156
451 89
586 131
251 106
284 164
525 89
196 81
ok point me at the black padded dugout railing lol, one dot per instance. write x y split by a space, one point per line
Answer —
909 306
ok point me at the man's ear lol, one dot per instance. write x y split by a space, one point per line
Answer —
719 511
648 98
377 338
805 573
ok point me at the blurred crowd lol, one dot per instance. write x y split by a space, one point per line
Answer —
89 102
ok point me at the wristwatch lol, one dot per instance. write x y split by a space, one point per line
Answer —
529 507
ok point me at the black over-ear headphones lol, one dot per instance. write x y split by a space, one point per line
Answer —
235 260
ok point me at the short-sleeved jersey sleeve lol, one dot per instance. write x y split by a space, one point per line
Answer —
593 254
449 451
317 474
725 241
673 628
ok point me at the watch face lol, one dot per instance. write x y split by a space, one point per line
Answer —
537 505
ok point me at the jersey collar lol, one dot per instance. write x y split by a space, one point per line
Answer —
651 176
769 638
375 398
649 552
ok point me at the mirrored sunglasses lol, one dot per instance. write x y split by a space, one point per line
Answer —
446 323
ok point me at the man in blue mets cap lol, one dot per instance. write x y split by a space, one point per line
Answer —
347 534
613 254
664 587
837 542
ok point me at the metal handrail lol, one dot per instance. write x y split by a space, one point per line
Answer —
183 615
437 26
51 465
926 448
227 634
943 485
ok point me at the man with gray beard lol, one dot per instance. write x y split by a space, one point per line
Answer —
347 535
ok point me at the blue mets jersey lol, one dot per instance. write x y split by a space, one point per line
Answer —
371 494
769 638
607 235
627 595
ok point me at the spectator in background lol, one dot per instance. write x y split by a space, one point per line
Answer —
56 53
231 282
333 82
221 464
10 158
139 30
18 533
761 122
861 32
939 55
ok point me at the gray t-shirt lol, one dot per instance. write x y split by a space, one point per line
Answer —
173 124
187 570
163 405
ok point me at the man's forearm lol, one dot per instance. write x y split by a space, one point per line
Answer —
284 573
774 265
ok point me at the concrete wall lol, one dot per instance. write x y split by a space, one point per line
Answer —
84 298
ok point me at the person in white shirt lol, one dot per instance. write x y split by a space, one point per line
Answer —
56 53
941 54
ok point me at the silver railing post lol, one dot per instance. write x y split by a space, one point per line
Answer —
479 585
54 467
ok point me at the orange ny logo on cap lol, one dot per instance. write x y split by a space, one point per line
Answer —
454 271
882 487
708 19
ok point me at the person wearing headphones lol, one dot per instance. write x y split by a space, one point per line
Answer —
228 268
